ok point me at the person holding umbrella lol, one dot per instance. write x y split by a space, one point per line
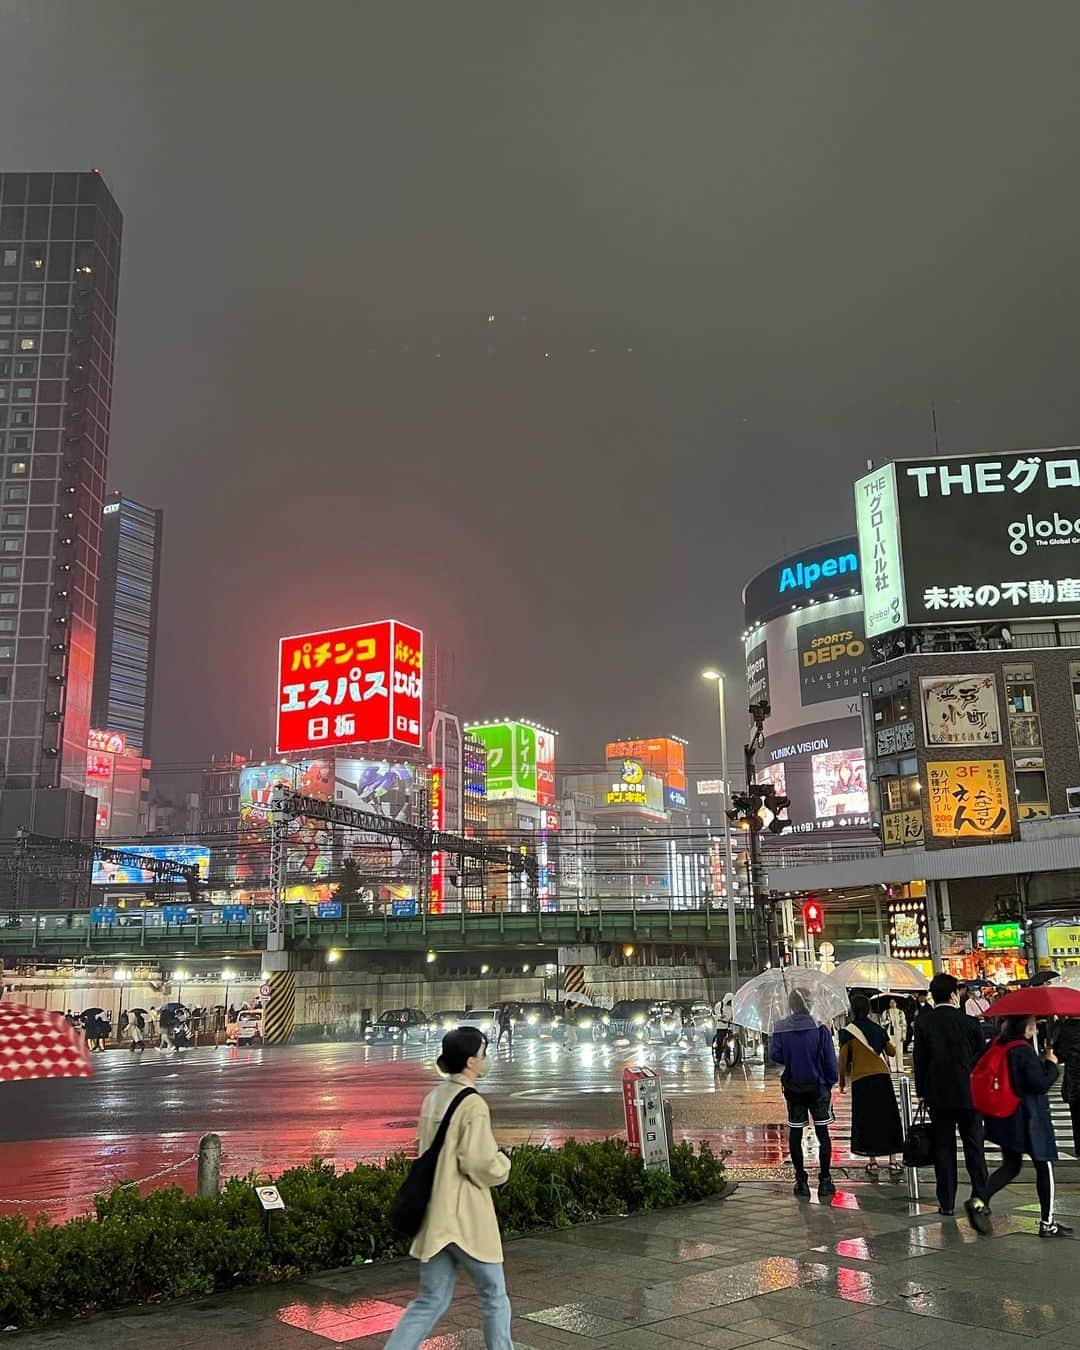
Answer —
806 1051
1029 1129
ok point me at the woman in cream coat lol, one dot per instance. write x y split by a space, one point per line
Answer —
460 1230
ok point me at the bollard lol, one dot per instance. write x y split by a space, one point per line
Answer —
209 1182
906 1117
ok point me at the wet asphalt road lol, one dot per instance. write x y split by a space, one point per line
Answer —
63 1139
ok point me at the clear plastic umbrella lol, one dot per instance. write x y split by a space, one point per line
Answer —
886 973
766 999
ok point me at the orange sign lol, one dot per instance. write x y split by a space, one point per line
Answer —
969 798
664 757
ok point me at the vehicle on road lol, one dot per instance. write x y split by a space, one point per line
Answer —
485 1020
699 1022
249 1027
441 1022
594 1022
664 1024
628 1020
399 1026
536 1022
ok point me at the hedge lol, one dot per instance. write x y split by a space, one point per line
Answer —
138 1249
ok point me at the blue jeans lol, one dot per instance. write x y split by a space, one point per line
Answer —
437 1279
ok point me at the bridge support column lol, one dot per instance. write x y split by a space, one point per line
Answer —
279 1011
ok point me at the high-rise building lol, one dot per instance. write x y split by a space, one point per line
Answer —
59 268
127 620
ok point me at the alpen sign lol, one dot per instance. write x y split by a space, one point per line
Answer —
985 538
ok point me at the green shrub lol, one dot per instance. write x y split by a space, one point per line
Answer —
137 1249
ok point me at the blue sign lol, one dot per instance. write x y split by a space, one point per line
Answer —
403 909
104 914
328 909
676 799
804 576
175 913
234 913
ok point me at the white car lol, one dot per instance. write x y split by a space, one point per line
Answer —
249 1027
483 1019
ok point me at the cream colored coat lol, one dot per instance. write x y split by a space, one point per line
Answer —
461 1209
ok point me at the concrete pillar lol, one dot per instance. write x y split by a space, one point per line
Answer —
279 1011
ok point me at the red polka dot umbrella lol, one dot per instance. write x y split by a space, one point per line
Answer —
39 1044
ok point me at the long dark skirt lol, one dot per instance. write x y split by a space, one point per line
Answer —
875 1117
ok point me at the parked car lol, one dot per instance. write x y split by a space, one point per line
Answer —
536 1022
483 1019
628 1018
399 1026
441 1022
249 1027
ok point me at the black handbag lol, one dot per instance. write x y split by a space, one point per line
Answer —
412 1200
919 1142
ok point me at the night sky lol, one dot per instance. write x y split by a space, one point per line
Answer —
545 326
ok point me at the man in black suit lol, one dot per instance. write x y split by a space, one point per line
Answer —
947 1044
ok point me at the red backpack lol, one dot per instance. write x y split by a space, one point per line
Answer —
991 1087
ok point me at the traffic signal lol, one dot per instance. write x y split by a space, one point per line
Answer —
813 918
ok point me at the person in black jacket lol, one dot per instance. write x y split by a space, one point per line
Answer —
1067 1050
1030 1128
947 1044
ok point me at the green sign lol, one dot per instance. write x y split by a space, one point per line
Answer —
996 935
524 763
499 740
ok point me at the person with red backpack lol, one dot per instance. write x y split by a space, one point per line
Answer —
1010 1086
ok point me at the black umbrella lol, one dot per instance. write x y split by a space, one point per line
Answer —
140 1012
173 1007
91 1012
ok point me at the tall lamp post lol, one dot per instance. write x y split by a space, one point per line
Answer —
729 870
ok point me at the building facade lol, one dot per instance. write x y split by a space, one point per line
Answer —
127 620
59 269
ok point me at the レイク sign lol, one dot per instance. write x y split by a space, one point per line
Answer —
364 683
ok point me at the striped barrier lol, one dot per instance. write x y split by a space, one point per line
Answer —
279 1017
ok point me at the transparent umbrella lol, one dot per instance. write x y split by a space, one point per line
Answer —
766 999
886 973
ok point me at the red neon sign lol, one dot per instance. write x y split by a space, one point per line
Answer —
347 685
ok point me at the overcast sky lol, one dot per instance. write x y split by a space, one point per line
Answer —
731 251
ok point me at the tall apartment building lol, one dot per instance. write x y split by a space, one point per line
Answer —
127 620
59 270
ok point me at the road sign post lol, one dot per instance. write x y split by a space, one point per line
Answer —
646 1124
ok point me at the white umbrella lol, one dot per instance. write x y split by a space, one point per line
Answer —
766 999
572 996
886 973
1070 976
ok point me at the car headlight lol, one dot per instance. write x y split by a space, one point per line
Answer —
533 1019
606 1020
585 1023
639 1019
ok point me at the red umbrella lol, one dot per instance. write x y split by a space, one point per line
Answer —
1042 1000
39 1044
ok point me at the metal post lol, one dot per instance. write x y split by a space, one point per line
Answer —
906 1118
880 927
933 924
209 1174
729 870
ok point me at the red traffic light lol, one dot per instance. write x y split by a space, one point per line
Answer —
813 918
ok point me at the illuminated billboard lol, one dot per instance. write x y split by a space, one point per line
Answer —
1020 527
839 778
116 874
309 840
664 756
968 799
350 685
385 789
520 761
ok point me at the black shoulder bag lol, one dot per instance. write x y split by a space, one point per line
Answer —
411 1204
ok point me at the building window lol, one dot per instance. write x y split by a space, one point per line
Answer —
3 393
7 319
9 597
17 466
13 520
6 653
9 571
10 545
28 344
24 391
22 418
26 369
11 257
1021 699
5 684
7 625
16 493
32 295
19 441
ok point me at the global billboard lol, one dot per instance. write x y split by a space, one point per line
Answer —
520 761
118 874
350 685
971 538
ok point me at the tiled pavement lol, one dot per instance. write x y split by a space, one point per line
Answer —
757 1270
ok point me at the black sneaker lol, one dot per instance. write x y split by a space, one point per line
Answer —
826 1188
802 1188
978 1216
1049 1230
948 1213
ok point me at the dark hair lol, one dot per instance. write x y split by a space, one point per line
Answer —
458 1047
799 1001
860 1006
942 987
1014 1028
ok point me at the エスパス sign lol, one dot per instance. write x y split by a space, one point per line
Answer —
364 683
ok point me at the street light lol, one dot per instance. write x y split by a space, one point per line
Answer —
729 871
120 975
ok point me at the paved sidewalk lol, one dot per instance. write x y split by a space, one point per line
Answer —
755 1270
